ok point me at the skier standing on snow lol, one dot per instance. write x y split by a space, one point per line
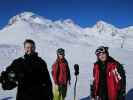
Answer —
30 74
109 77
61 74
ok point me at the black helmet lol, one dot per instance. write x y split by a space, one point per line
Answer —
60 51
101 49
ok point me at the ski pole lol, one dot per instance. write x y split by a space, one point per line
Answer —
75 88
76 68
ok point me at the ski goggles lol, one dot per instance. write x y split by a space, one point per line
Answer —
60 53
101 50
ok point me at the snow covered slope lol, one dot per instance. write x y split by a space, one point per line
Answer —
30 25
79 43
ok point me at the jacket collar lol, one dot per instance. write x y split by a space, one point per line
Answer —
31 56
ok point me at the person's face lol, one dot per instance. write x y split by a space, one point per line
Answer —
61 56
29 48
102 57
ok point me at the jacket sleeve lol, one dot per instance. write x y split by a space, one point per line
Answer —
96 80
47 80
12 67
54 73
68 71
122 91
69 75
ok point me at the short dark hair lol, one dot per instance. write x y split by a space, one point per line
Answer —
29 41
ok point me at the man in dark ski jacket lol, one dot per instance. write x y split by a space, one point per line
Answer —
109 77
61 74
30 74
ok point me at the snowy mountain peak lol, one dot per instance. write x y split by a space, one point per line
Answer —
103 27
28 17
68 21
102 24
21 16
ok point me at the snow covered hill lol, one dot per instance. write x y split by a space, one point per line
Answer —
79 43
30 25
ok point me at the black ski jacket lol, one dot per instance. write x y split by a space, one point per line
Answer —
31 76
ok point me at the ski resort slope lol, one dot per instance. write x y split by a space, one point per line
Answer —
85 57
79 43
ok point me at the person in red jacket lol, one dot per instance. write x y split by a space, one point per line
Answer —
109 77
61 73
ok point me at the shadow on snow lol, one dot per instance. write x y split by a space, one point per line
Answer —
129 95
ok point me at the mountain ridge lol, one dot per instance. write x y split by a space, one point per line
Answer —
31 25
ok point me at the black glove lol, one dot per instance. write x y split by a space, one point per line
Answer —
7 81
76 68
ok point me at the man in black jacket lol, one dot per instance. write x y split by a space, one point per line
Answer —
30 74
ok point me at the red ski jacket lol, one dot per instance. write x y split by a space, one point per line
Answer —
112 79
61 72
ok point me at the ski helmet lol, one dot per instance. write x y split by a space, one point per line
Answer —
60 51
102 49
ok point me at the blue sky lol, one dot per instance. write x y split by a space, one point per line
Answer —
83 12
